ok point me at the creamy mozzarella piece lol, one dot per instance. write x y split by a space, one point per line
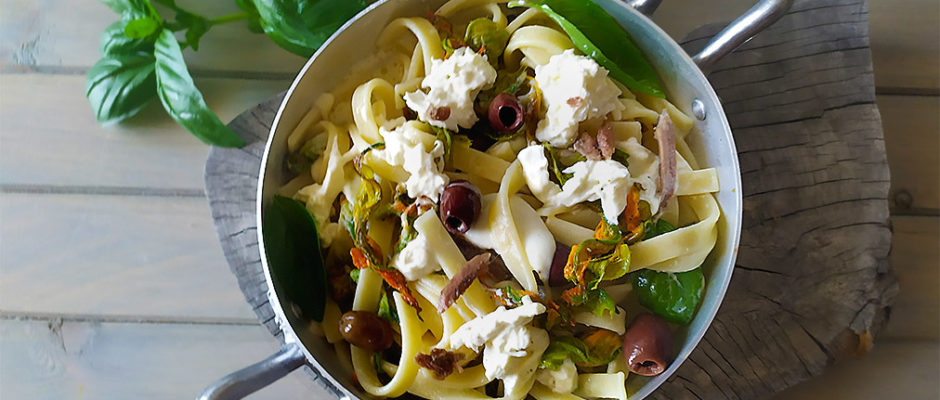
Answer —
452 83
644 169
416 260
404 148
564 380
535 170
606 180
575 88
512 347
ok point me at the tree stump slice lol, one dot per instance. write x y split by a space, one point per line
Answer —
812 283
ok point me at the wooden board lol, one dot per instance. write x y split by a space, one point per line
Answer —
813 267
147 257
50 136
90 360
915 255
913 151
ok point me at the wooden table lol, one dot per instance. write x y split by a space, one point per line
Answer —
112 282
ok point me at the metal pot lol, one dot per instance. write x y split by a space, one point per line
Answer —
688 89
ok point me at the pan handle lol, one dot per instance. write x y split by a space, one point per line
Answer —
645 7
250 379
760 16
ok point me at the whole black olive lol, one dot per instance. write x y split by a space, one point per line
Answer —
460 206
647 345
505 113
556 275
367 330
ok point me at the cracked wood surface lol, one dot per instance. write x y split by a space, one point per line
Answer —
812 273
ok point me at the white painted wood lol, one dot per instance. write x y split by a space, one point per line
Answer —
893 370
52 359
114 255
49 136
55 35
912 139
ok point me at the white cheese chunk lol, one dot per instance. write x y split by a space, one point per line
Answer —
416 260
453 83
512 347
574 88
404 148
644 169
535 170
607 180
564 380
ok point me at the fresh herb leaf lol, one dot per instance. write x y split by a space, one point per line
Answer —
595 349
673 296
114 41
354 275
253 22
621 157
483 33
141 27
555 165
652 229
386 310
128 8
597 35
118 86
302 26
195 26
182 100
292 246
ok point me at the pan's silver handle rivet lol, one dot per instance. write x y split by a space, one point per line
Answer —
698 109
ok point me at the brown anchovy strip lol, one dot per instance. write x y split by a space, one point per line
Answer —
587 146
441 362
459 283
605 140
665 134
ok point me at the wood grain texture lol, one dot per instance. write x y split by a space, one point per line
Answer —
893 370
915 255
912 139
88 360
138 256
50 137
813 266
62 36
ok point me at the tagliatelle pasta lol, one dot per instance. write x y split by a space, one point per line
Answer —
476 93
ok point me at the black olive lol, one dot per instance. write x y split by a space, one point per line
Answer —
505 113
647 345
367 330
460 206
556 275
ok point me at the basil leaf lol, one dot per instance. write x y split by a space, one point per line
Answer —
182 100
673 296
300 26
118 86
652 229
142 27
115 41
292 247
386 310
252 23
597 35
125 7
195 26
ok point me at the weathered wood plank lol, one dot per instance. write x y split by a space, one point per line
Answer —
912 139
114 255
63 35
915 255
49 135
904 48
56 359
893 370
905 45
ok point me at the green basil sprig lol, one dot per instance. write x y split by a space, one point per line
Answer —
673 296
142 59
292 246
597 35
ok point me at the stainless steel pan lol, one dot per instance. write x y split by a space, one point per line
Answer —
685 83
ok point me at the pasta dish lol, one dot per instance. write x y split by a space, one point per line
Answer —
503 211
